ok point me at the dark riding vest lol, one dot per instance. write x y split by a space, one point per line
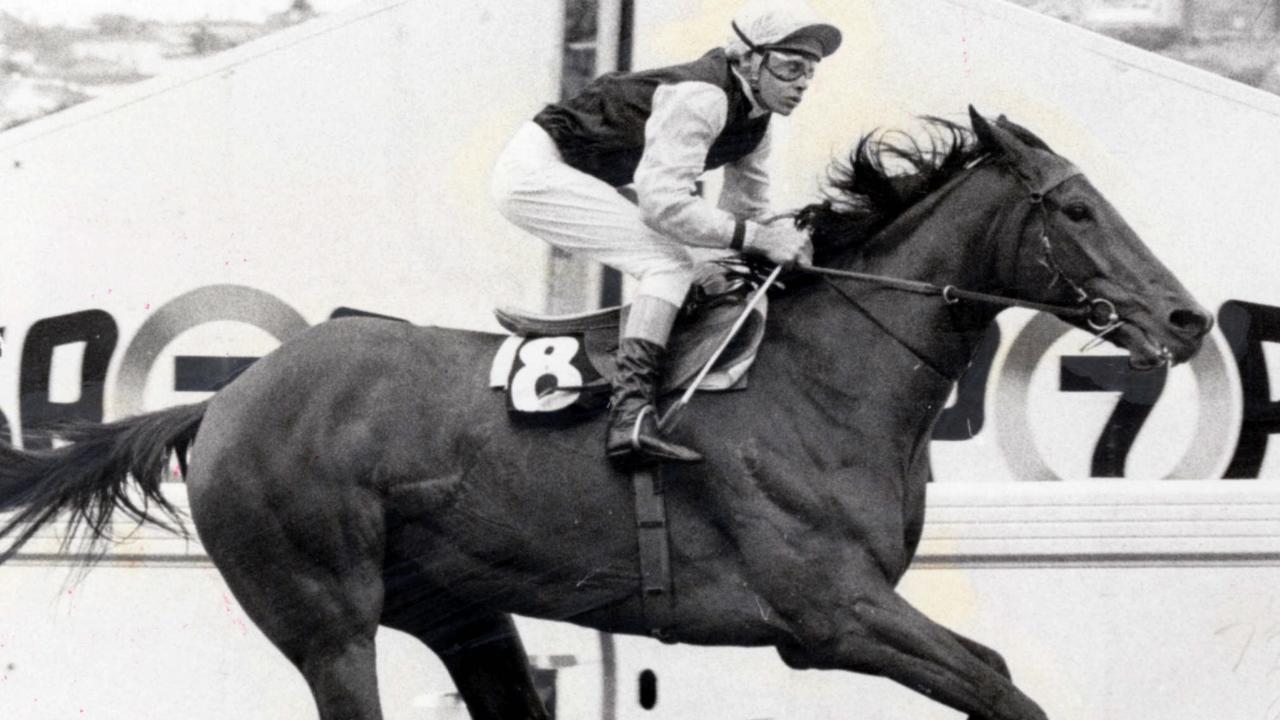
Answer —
600 131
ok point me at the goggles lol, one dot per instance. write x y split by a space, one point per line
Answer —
781 64
789 68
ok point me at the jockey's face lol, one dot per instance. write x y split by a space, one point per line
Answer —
782 80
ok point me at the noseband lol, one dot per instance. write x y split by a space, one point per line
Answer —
1099 313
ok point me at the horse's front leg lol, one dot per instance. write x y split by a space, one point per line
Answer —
877 632
993 659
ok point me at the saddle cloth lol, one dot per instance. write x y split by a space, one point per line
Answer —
578 352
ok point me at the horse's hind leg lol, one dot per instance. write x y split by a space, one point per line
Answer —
487 661
323 619
306 567
343 679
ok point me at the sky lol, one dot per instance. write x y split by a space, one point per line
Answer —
80 12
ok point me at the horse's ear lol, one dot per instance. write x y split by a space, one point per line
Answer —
1023 134
994 138
984 130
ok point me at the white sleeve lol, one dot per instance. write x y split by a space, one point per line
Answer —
745 193
686 119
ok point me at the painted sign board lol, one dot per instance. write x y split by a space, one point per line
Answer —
156 244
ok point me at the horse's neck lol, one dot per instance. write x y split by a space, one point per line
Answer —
924 345
949 237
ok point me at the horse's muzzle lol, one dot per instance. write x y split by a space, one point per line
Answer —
1192 323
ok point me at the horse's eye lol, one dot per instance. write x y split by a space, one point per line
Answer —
1077 212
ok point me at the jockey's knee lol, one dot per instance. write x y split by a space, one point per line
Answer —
670 283
520 173
502 191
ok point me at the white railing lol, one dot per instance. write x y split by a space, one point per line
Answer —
970 524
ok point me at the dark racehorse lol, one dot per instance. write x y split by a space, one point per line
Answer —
364 474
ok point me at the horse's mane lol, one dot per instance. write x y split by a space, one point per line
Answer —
886 174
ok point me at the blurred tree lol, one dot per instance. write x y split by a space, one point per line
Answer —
205 42
119 25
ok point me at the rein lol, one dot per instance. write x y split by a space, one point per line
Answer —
951 294
1099 313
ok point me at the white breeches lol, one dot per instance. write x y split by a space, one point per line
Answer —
536 190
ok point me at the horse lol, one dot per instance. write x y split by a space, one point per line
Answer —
364 473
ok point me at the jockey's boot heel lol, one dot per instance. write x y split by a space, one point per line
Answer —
633 425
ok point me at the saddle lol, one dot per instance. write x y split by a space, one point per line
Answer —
558 368
561 367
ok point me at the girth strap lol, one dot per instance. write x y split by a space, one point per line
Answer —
657 601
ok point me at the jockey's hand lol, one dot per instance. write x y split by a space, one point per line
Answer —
781 242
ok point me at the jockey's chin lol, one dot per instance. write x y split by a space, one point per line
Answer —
787 106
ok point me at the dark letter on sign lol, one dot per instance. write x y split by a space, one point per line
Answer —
1139 390
1246 326
201 373
98 331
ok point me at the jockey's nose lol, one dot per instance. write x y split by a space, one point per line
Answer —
1193 322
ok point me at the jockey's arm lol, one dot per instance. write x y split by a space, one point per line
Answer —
685 121
745 192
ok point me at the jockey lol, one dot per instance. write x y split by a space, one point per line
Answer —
660 129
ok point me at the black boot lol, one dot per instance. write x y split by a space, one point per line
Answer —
633 423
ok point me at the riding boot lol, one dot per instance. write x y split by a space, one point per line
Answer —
633 425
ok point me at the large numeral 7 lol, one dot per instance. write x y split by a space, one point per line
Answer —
1138 390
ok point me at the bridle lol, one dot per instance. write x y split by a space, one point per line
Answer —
1099 313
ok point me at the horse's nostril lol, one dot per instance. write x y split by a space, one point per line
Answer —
1192 321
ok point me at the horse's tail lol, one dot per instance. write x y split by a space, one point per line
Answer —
89 477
